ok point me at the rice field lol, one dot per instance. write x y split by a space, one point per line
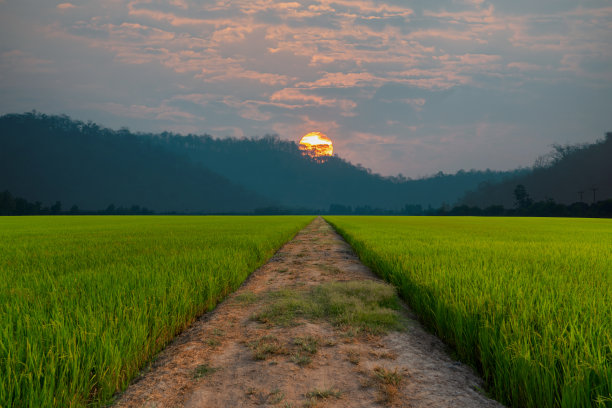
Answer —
526 301
86 301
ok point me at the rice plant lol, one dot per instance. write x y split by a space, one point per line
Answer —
526 301
86 301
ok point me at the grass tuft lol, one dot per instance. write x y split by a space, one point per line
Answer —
276 396
266 347
301 359
308 344
361 306
387 376
203 371
388 384
353 357
246 298
324 393
213 343
261 397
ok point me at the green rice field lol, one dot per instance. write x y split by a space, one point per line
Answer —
526 301
86 301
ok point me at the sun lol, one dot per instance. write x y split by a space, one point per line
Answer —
317 145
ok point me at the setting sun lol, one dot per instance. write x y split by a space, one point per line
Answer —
316 144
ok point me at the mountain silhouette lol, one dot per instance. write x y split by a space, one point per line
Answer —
568 174
278 170
50 158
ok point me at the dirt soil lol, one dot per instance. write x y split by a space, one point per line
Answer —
229 359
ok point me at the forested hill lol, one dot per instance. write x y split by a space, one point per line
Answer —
568 174
278 170
53 158
50 158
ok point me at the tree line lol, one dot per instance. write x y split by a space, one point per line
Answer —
278 170
48 158
524 206
568 174
45 157
10 205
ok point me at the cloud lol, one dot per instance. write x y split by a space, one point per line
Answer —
342 80
17 60
524 66
162 112
171 18
403 77
301 99
473 16
65 6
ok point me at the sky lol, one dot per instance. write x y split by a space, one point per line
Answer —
399 86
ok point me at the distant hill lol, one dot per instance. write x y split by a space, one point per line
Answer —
278 170
560 175
49 158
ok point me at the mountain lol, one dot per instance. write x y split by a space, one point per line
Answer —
50 158
278 170
563 175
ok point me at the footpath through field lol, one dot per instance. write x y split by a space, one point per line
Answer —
312 327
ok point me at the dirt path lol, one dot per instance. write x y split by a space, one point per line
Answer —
265 345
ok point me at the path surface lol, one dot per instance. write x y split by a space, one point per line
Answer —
214 363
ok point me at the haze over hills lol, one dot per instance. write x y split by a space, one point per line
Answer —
50 158
566 175
278 170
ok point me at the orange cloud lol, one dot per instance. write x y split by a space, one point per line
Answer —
65 6
341 80
524 66
171 18
294 95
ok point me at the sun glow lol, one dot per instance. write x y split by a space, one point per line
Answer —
316 144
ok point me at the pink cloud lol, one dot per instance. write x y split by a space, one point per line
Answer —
171 18
524 66
297 96
180 4
232 73
477 15
341 80
448 34
65 6
231 34
478 59
365 8
433 79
